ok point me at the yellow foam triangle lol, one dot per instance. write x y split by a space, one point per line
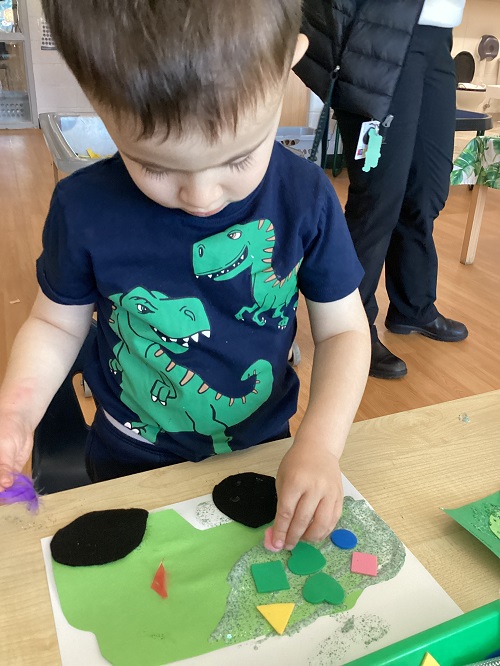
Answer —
277 615
428 660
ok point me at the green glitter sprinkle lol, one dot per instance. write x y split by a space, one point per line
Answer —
208 515
348 626
364 629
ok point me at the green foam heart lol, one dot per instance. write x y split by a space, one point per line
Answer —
323 588
305 559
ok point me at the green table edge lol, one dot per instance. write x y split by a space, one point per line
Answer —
449 643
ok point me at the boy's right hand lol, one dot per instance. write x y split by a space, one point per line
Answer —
16 442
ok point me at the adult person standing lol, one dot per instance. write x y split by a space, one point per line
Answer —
391 62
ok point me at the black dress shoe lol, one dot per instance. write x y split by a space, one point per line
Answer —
441 328
384 364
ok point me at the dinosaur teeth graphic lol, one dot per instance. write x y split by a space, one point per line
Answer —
184 342
235 264
166 338
239 260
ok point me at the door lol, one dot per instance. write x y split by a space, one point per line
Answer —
17 103
296 103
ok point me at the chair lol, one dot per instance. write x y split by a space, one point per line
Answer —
470 121
58 459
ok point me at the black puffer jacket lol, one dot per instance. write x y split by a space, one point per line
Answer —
368 40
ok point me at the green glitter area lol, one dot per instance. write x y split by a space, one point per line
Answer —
244 622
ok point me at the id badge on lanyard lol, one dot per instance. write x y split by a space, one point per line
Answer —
369 143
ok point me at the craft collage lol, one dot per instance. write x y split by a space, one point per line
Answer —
135 580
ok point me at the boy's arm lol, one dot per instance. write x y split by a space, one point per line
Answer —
42 355
308 482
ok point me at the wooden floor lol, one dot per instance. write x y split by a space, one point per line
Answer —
437 371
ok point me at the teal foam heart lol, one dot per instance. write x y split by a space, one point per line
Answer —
323 588
306 559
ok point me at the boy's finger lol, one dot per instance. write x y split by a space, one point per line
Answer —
304 513
6 476
325 519
284 514
268 541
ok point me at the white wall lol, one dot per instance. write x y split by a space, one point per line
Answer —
55 86
315 107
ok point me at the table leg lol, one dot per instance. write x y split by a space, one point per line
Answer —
473 226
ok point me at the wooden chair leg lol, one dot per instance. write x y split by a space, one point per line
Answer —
473 226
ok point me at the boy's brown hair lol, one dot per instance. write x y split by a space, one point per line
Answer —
169 64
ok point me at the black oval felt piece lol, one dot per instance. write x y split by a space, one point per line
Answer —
248 498
99 537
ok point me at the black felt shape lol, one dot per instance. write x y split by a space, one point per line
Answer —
99 537
248 498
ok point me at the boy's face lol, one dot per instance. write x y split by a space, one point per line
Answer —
197 176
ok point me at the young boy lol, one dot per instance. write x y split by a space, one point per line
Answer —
191 243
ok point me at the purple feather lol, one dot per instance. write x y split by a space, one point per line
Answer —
22 490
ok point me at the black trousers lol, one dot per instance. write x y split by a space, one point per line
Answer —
391 209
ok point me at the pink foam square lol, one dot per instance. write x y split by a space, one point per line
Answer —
364 563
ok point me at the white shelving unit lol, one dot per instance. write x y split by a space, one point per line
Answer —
17 90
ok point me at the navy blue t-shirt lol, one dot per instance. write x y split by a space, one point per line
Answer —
196 315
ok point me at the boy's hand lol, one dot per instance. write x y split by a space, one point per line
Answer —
16 442
310 494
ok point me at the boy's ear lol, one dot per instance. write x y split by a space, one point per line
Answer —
300 48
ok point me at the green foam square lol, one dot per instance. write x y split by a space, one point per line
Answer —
270 576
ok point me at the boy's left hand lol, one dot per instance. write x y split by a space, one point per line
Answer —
310 495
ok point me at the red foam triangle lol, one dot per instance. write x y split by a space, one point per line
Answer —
159 584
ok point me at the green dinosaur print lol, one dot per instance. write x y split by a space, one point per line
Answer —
250 245
166 396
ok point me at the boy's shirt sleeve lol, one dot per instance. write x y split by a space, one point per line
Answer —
64 269
330 269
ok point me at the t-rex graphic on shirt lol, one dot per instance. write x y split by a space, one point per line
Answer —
166 396
250 245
